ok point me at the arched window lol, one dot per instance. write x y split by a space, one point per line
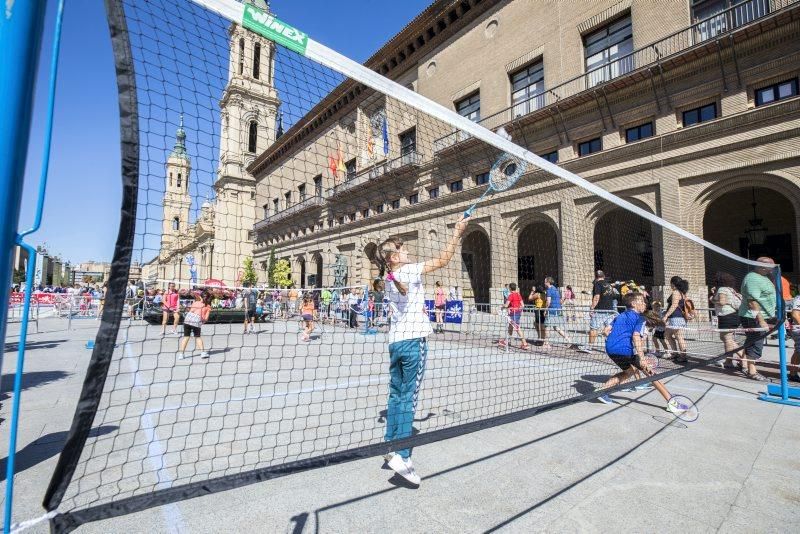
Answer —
252 137
176 224
256 60
179 180
241 56
170 179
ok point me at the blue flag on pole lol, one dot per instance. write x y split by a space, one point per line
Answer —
385 136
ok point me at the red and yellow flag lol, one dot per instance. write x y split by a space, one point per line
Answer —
332 166
371 146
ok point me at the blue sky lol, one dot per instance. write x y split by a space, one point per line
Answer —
81 215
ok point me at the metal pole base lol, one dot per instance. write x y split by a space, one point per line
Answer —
773 394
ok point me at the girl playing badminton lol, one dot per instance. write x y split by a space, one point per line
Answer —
407 338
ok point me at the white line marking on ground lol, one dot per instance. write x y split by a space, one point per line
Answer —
155 453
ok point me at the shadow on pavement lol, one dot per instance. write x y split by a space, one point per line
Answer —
299 521
601 468
583 387
33 345
30 379
44 448
397 485
399 482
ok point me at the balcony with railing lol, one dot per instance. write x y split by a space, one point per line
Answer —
732 18
631 67
404 165
304 206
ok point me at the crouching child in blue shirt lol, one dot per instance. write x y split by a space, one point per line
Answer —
625 347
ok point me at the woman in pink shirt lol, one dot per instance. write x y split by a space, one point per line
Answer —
170 304
439 305
196 316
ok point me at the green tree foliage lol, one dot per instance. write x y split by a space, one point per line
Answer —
249 277
271 269
282 273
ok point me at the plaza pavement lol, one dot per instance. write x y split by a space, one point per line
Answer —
586 467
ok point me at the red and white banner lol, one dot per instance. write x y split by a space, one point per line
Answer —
40 298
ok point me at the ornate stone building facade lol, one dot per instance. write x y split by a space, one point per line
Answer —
219 240
687 109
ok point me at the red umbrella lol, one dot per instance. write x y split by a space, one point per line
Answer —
213 282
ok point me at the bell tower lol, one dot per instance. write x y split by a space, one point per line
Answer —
249 107
176 197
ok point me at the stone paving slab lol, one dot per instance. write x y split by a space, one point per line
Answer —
583 468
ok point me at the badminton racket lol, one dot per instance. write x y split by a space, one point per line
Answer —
505 172
683 408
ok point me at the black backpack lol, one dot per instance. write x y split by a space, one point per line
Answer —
251 300
609 291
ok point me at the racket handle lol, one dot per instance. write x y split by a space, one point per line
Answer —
470 211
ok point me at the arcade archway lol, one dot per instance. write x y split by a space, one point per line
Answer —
626 247
751 222
537 255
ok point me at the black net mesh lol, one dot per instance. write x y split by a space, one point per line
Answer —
268 186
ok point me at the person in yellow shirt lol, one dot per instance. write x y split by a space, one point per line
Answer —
536 297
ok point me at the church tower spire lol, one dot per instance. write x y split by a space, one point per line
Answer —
179 150
177 200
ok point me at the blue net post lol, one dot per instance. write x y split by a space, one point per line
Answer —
21 26
781 393
21 30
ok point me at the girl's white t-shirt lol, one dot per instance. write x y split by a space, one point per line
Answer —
409 319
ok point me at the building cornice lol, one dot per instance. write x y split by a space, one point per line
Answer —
435 25
225 180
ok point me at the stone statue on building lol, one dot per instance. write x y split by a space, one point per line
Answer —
340 271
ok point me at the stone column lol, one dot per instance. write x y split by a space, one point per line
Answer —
504 256
577 248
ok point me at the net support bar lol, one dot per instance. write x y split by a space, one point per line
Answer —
781 393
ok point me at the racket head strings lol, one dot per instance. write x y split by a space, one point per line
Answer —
506 172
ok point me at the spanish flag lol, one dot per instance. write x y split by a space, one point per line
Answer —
340 166
332 167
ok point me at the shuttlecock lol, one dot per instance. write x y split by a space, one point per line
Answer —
503 133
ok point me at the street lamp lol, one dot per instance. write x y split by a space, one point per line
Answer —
756 233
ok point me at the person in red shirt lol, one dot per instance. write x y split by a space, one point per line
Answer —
514 306
170 304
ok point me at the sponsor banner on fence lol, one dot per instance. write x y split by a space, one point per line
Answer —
42 299
453 311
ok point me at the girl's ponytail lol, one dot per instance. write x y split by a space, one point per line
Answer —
381 259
